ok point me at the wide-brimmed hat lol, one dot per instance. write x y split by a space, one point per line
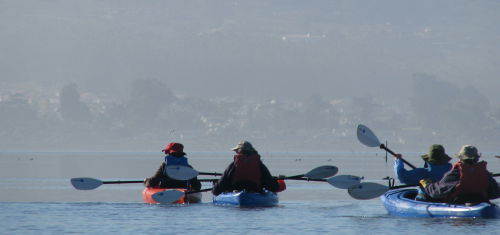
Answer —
468 152
176 148
436 155
244 146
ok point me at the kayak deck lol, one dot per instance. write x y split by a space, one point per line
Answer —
246 199
147 196
400 202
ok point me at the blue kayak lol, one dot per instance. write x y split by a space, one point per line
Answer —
246 199
399 202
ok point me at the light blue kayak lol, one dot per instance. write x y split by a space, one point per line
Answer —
246 199
400 202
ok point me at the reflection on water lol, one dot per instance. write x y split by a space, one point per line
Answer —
458 222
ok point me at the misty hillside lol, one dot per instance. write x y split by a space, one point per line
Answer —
286 75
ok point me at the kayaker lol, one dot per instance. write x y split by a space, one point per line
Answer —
247 172
435 166
468 182
174 155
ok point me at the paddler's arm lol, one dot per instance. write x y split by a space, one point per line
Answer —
408 176
224 183
493 189
445 186
194 182
268 181
154 180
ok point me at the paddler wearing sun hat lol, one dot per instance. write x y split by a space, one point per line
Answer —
247 172
174 155
436 164
468 182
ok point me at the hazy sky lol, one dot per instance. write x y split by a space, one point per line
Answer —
228 48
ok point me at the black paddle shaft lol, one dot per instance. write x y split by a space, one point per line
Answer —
199 191
404 186
382 146
209 173
123 182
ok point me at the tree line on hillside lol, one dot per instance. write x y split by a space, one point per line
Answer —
436 111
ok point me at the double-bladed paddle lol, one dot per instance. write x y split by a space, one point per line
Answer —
368 138
185 173
174 171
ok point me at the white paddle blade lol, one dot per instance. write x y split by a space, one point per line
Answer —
366 136
322 172
179 172
344 181
85 183
369 190
168 196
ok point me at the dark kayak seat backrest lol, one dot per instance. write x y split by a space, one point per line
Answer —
410 195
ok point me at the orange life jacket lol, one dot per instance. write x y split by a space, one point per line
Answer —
247 168
473 180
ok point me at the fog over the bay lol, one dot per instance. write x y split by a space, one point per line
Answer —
125 75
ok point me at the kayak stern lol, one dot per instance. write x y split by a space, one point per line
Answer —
246 199
400 203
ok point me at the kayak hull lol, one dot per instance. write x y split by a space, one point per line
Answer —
147 196
400 202
246 199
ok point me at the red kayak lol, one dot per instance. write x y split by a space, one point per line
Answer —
148 192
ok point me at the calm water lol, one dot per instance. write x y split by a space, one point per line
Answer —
37 198
292 217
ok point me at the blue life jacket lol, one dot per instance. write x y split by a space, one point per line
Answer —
172 160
